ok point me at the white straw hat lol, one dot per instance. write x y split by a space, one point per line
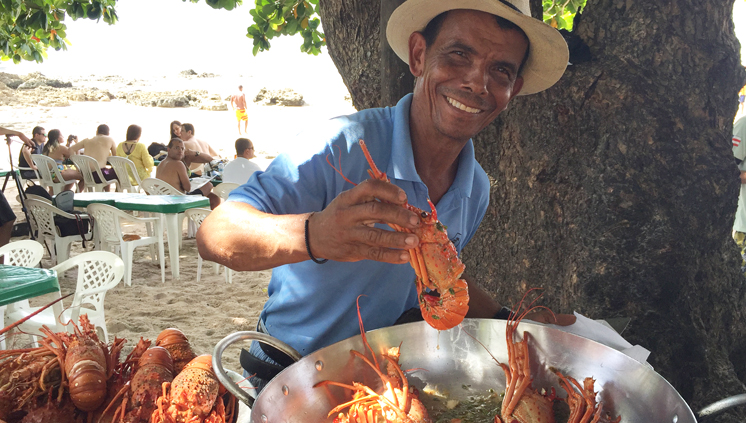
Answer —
548 54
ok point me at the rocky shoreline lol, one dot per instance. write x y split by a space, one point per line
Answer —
35 89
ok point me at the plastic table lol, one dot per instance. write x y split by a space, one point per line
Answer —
21 283
168 206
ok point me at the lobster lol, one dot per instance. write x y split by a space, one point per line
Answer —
139 395
178 346
397 403
523 404
442 295
195 395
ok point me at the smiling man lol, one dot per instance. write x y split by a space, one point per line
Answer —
326 238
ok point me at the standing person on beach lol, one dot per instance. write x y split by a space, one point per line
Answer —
324 237
238 103
197 145
100 148
173 171
133 150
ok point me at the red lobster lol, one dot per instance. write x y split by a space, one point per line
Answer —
195 395
397 403
442 294
178 346
523 404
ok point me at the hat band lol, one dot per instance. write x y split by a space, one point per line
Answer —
510 5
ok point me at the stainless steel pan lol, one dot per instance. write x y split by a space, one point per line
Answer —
456 365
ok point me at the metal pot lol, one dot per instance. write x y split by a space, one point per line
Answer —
455 364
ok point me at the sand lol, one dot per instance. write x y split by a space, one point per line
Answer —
211 309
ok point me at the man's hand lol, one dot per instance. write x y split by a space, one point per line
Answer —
344 230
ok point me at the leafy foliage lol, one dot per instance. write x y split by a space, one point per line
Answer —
273 18
560 13
29 27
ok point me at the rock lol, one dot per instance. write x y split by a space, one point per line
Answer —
34 75
207 75
53 102
179 101
10 80
215 106
104 98
32 83
78 97
188 72
282 97
56 83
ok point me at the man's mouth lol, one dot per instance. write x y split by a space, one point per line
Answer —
462 106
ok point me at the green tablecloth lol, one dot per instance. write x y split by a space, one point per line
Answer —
162 203
20 283
4 172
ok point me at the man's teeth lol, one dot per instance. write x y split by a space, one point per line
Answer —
463 107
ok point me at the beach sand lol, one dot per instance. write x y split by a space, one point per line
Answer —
211 309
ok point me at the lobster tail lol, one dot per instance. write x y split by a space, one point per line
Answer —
447 310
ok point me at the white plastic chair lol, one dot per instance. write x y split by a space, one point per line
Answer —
88 166
125 167
108 230
25 253
43 214
49 174
98 272
197 216
224 189
155 186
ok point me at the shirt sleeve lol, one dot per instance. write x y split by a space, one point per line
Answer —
739 143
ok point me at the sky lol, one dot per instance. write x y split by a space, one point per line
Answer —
164 37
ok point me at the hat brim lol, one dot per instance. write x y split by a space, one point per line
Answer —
548 53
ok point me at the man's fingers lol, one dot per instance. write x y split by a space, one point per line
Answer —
373 189
378 238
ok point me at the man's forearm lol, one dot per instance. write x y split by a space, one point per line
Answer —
243 238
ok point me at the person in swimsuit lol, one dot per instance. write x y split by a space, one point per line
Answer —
238 103
55 149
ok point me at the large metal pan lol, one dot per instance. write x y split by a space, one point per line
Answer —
457 365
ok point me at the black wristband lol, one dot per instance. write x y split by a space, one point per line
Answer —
308 245
503 314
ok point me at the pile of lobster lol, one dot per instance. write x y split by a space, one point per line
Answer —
75 377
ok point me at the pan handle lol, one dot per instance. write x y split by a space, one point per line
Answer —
722 405
217 359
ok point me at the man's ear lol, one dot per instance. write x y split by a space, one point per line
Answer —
417 49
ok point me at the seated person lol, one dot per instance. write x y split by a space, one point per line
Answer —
100 148
195 144
55 149
173 171
133 150
240 170
38 137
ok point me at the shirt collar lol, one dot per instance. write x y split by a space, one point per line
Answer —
402 157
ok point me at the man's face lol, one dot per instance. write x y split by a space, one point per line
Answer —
39 138
176 151
469 73
184 134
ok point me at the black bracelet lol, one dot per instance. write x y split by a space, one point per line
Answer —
308 245
503 314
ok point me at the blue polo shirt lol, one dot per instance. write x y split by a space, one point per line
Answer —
311 306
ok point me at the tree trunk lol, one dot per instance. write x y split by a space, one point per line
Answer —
615 190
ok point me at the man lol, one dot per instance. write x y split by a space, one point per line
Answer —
238 103
7 217
173 170
100 148
197 145
739 152
468 65
35 146
240 170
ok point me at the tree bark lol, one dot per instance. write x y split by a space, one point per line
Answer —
615 190
396 79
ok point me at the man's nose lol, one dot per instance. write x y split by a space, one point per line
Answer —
475 79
